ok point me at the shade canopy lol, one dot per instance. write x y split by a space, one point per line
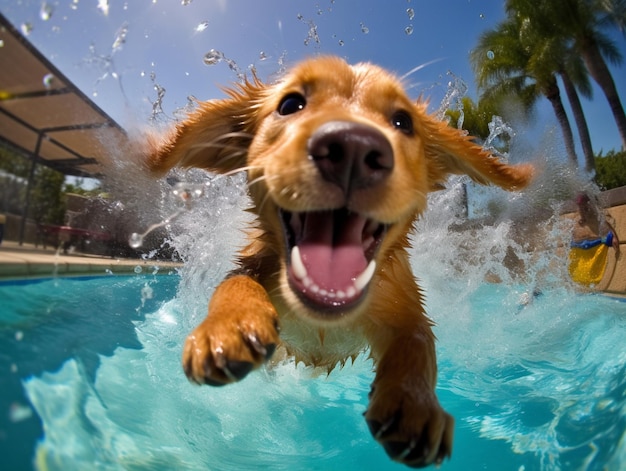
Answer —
46 117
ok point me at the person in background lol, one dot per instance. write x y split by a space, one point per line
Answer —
592 236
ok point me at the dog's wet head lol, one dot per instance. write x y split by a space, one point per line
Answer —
328 164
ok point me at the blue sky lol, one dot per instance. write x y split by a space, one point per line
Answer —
164 42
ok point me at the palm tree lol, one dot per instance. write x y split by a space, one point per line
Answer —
512 60
538 29
582 22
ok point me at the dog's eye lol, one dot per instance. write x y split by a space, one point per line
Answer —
402 121
292 103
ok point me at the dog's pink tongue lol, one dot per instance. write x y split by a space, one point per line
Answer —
331 250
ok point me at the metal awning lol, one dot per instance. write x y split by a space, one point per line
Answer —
46 117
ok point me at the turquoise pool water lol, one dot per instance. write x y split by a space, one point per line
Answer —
90 379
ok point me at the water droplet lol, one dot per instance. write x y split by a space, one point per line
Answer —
19 412
202 26
341 43
490 55
108 271
262 56
45 13
135 240
147 293
482 16
120 38
103 5
364 29
26 28
408 30
47 81
138 269
410 13
212 57
185 2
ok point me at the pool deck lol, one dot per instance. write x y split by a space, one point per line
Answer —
27 261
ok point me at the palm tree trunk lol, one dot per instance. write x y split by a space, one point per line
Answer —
581 122
602 75
553 94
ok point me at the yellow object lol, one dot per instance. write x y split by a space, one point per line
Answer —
586 266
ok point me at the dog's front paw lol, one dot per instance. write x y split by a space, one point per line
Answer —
410 424
221 351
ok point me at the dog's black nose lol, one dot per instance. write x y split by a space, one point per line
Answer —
351 155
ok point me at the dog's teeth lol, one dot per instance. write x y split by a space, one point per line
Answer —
364 278
299 270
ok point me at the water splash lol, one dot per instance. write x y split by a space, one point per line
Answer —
498 128
106 62
312 34
186 195
157 104
453 99
214 57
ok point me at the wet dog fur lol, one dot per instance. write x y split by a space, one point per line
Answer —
339 163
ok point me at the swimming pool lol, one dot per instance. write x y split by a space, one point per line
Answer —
91 379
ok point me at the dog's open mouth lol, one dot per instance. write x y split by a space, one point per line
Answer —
331 256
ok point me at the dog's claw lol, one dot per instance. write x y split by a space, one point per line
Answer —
378 429
265 351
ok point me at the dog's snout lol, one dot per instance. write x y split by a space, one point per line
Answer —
351 155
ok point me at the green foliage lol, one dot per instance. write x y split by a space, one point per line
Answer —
47 200
47 204
13 163
611 170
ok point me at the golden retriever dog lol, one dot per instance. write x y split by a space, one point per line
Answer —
339 163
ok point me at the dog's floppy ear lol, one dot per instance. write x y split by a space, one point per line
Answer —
452 151
215 136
